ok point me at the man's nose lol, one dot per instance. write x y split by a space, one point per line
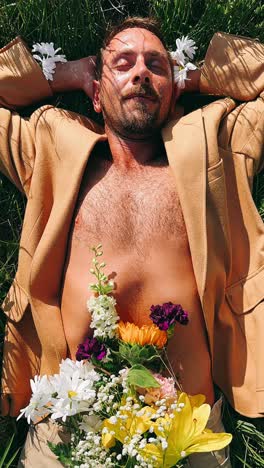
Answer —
141 73
141 79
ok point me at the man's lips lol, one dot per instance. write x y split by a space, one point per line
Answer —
141 96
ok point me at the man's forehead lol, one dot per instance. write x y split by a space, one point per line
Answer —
137 39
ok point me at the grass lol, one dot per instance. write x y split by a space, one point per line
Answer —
78 26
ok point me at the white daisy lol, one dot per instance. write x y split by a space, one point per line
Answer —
48 57
178 57
180 74
182 66
40 400
74 395
187 46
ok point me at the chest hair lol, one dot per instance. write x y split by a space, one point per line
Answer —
128 209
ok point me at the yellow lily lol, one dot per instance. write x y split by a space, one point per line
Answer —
126 425
195 400
185 433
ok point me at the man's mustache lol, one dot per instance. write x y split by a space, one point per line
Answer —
144 90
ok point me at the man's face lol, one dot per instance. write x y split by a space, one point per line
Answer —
135 92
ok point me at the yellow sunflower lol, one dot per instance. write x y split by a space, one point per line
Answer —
145 335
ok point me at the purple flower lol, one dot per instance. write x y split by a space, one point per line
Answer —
167 314
91 347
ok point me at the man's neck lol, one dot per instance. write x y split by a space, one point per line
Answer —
129 154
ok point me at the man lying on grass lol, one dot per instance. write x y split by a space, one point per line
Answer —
168 196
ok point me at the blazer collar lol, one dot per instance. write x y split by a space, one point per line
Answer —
184 141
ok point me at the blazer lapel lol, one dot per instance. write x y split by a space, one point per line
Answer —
75 146
184 141
70 158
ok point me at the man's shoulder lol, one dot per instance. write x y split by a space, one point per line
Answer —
52 117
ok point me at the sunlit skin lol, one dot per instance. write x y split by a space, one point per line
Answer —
128 202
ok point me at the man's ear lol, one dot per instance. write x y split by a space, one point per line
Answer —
96 97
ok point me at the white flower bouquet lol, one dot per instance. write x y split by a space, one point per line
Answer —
119 410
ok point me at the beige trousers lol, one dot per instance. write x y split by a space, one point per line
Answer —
36 453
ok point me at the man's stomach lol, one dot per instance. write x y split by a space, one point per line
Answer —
165 275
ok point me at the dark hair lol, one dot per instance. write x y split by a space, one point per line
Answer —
149 23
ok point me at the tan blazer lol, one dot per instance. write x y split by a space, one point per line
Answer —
213 152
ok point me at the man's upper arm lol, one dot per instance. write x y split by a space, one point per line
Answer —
21 83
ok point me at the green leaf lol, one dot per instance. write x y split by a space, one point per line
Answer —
137 354
63 452
140 376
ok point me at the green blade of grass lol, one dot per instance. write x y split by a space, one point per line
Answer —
7 449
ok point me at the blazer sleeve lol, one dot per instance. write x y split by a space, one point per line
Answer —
233 66
21 83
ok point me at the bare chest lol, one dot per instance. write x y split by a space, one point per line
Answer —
128 208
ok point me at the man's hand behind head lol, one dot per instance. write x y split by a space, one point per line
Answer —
192 84
75 75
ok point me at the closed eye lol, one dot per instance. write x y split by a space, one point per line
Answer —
157 67
123 64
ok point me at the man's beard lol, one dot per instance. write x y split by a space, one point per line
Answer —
139 122
142 122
